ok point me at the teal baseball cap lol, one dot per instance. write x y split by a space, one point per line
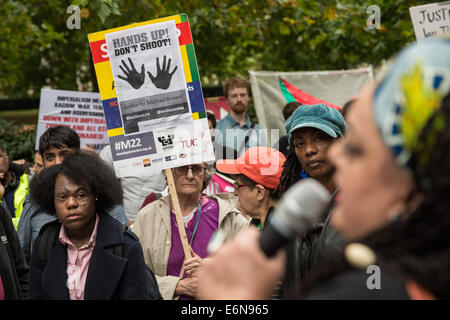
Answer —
319 116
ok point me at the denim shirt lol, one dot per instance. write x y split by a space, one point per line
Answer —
236 134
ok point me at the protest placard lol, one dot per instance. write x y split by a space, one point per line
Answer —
151 94
152 99
431 19
81 111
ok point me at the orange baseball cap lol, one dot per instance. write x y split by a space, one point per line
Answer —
261 164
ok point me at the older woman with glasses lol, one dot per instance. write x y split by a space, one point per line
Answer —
156 227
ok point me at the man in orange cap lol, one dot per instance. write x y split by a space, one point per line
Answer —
257 174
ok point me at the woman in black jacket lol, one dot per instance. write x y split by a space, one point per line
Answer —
13 268
81 264
311 130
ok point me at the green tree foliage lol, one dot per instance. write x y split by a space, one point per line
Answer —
231 37
19 140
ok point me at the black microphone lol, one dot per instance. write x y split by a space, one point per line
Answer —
298 209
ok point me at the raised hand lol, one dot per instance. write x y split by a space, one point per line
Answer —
163 76
134 78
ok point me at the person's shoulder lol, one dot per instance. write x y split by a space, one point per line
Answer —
4 213
227 203
157 204
257 126
18 169
106 154
224 198
129 236
151 208
49 227
223 122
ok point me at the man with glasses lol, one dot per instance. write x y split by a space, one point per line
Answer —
257 174
203 215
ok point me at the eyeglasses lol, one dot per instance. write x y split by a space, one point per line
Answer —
196 170
238 186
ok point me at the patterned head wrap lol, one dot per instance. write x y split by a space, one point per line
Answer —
408 100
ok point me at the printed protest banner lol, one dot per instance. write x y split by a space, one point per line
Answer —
81 111
151 95
431 19
272 90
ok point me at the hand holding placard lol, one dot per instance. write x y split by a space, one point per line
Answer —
134 78
163 76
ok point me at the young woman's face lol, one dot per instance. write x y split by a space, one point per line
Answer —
372 187
74 203
311 146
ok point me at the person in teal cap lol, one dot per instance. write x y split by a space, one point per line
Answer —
393 173
311 130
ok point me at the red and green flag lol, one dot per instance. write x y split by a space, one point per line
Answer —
292 93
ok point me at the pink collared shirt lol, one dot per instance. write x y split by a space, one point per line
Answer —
78 262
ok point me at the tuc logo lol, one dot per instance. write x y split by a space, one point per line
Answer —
189 143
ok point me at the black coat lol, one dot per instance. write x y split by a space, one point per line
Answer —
309 252
109 276
13 268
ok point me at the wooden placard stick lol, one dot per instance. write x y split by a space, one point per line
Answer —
178 215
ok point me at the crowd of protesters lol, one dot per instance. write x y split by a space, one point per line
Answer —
72 230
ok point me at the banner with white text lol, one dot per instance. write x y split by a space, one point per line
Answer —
81 111
431 19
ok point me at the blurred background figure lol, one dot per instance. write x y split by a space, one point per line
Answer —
236 131
219 182
14 269
282 144
38 164
136 188
13 185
